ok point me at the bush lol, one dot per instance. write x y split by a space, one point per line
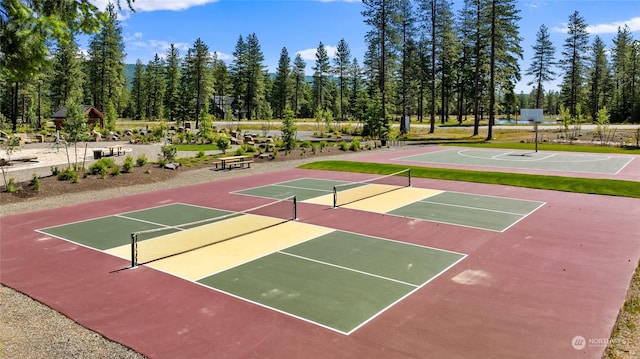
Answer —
343 146
223 143
355 145
305 144
102 166
68 174
115 171
35 183
168 153
200 154
11 186
141 160
127 165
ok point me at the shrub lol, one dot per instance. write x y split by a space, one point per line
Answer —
127 165
223 143
35 183
115 171
355 145
305 144
68 174
11 186
102 166
168 153
343 146
200 154
141 160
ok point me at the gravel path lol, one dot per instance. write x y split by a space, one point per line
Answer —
29 329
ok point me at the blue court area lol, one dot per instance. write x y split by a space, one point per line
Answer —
548 161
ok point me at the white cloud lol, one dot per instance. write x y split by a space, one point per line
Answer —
159 47
310 54
153 5
610 28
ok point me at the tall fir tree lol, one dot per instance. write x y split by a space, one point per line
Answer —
321 73
172 79
541 66
342 63
282 84
106 62
574 57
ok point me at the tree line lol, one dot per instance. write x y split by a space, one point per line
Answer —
423 60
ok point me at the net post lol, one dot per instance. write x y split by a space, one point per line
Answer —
295 208
335 197
134 250
409 175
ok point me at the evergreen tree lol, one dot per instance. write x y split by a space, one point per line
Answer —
342 63
199 75
598 79
299 82
138 92
106 63
623 75
574 56
66 77
282 84
505 51
155 86
321 73
255 84
172 79
380 16
541 66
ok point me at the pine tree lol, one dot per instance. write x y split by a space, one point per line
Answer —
342 63
106 64
138 92
599 79
66 77
282 84
505 51
541 66
573 62
299 83
321 73
172 79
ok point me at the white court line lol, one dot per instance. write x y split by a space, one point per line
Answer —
470 207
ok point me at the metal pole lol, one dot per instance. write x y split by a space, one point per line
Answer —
134 250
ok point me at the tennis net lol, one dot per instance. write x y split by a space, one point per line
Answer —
163 242
356 191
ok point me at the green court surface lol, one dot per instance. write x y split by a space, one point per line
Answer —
565 162
469 210
339 280
113 231
303 189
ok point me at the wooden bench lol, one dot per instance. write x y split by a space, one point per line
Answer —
233 162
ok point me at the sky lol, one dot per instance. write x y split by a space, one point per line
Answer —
301 25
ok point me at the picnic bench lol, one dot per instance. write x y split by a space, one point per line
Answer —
233 162
115 150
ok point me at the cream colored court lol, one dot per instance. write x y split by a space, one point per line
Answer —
210 259
384 198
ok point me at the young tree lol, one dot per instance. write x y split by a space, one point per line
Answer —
155 86
288 130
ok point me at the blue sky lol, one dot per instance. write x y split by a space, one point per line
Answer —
300 25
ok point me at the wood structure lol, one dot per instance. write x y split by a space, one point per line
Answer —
94 117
